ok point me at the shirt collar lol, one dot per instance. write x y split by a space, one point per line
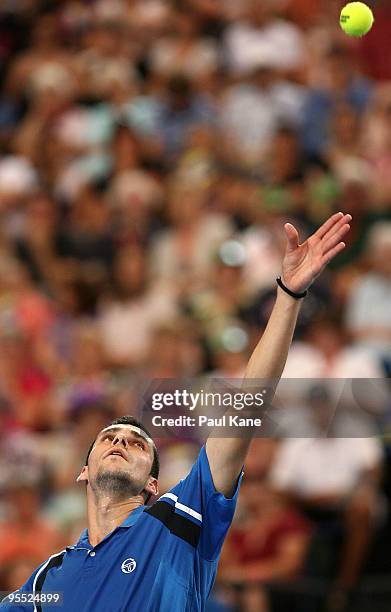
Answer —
132 517
128 522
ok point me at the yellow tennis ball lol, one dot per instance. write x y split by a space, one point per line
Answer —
356 19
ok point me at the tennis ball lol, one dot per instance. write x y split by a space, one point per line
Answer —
356 19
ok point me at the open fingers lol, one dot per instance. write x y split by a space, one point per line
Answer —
332 224
327 225
335 229
332 253
329 242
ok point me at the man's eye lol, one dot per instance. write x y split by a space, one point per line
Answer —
140 444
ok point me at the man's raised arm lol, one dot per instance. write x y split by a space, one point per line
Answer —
302 263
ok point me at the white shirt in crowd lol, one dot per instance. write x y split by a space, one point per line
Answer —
315 466
370 305
279 40
127 327
250 115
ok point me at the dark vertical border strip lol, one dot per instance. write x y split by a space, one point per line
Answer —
55 562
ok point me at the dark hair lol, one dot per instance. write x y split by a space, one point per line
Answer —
129 420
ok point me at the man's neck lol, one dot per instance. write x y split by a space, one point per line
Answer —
104 514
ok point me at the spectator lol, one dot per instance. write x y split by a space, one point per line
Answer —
36 246
251 111
267 545
182 110
259 29
174 352
185 50
338 83
334 479
328 354
368 314
134 309
185 250
45 59
104 53
377 144
25 532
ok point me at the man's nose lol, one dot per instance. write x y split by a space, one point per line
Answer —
120 439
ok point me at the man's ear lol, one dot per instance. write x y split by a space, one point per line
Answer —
152 487
83 476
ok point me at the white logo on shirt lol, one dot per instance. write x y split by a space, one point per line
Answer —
128 566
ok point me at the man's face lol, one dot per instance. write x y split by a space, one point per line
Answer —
121 462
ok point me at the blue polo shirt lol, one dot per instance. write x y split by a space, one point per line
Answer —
162 558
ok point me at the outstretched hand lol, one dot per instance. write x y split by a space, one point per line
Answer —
302 263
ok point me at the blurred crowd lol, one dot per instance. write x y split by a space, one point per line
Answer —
150 153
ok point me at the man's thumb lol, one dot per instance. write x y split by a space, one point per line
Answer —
292 236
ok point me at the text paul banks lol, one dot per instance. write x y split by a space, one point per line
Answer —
224 421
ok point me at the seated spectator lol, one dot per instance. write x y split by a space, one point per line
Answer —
36 246
282 190
25 382
334 479
225 292
267 544
182 110
18 181
345 152
327 353
133 309
368 314
174 352
85 237
88 372
21 457
376 144
251 112
338 83
184 50
45 57
134 198
185 250
104 51
353 381
260 27
25 532
49 99
375 135
230 347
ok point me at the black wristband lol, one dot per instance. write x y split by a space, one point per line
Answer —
297 296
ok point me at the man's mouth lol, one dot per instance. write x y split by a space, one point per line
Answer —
116 453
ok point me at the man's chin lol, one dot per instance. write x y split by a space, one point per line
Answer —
115 481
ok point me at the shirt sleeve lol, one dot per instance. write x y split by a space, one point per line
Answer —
196 499
16 604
